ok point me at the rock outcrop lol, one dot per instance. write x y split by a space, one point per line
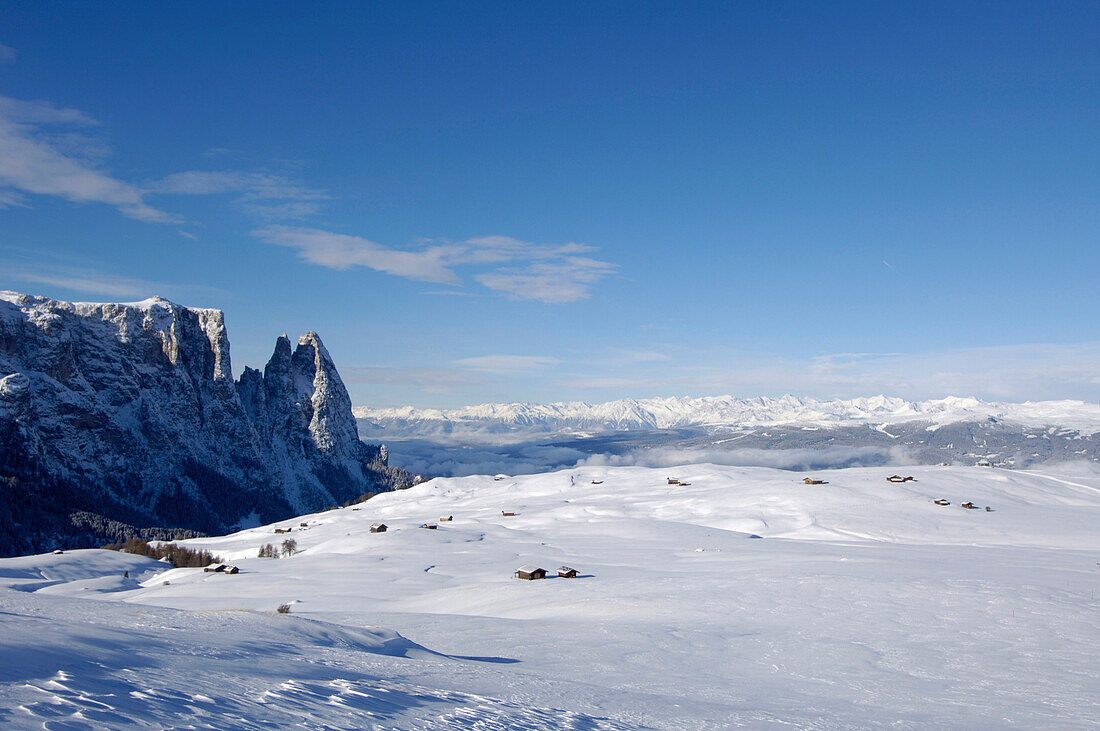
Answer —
119 419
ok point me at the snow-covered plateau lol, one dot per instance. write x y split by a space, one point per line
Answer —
741 596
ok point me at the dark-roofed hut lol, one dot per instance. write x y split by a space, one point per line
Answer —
378 528
567 573
812 481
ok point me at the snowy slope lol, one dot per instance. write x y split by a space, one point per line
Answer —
665 413
862 604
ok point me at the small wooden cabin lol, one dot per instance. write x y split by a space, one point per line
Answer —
303 525
283 530
672 481
812 481
506 514
968 506
429 526
215 569
567 573
941 501
378 528
448 519
530 573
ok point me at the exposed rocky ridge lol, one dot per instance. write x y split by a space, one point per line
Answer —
126 416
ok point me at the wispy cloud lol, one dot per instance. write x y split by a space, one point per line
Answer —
100 284
506 363
42 153
341 251
567 280
267 195
545 272
451 293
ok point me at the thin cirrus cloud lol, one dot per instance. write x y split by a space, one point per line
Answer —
99 284
553 273
503 364
47 150
41 154
264 194
998 373
342 251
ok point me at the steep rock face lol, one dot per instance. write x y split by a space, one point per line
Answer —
302 412
126 416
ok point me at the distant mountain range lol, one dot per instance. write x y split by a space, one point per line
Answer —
125 419
721 411
784 432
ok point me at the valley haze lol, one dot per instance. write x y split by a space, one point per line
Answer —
788 432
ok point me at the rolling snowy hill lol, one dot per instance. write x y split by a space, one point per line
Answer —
743 597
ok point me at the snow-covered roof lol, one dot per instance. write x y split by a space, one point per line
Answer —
529 569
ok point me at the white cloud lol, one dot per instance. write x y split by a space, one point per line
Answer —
341 251
784 459
263 194
254 185
553 272
507 363
99 284
560 281
33 162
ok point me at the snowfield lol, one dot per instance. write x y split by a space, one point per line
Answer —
744 597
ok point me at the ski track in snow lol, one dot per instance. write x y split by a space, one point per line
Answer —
862 604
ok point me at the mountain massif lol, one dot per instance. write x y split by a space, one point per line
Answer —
798 433
724 411
125 419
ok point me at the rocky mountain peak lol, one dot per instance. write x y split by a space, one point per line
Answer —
130 412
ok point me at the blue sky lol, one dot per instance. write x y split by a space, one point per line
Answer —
577 201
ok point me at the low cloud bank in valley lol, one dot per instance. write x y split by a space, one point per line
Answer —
784 459
437 459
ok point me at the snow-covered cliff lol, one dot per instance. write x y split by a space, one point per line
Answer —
127 415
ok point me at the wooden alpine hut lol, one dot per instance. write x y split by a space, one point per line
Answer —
530 573
378 528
